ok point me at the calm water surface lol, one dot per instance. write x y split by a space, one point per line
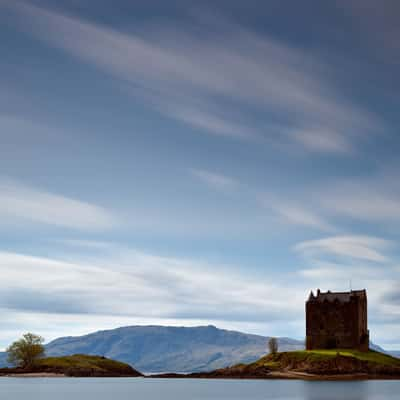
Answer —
183 389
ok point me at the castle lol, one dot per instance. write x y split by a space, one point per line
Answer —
337 320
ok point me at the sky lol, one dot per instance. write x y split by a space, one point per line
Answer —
193 163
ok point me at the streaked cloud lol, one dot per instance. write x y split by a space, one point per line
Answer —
299 216
26 203
215 180
366 200
85 243
209 122
295 213
323 141
180 77
393 296
352 246
136 285
126 287
339 272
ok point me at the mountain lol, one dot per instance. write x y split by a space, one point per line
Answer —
3 360
375 347
170 349
157 349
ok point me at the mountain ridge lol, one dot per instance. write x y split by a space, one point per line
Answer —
157 349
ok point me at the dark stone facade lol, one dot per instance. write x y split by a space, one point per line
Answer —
337 320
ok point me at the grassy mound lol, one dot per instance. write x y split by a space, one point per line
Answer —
321 355
81 365
318 364
331 362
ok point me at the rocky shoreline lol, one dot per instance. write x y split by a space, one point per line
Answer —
33 375
279 375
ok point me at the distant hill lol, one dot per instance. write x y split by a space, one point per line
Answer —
157 349
3 360
170 349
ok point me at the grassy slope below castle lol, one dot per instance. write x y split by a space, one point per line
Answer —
318 355
77 365
314 364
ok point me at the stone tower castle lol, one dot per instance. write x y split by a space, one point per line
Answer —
337 320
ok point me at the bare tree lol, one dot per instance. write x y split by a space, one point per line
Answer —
273 345
25 351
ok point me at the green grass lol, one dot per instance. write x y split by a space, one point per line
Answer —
84 364
273 360
371 355
274 365
81 361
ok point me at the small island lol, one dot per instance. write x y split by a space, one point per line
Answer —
78 365
28 356
309 365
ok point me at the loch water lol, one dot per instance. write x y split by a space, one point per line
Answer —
192 389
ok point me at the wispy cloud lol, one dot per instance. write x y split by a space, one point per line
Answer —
194 79
295 213
368 200
132 284
125 287
354 247
332 273
85 243
22 202
209 122
299 216
215 180
324 141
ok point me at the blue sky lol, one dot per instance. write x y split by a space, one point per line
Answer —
185 163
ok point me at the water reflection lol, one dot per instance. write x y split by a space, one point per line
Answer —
355 390
196 389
